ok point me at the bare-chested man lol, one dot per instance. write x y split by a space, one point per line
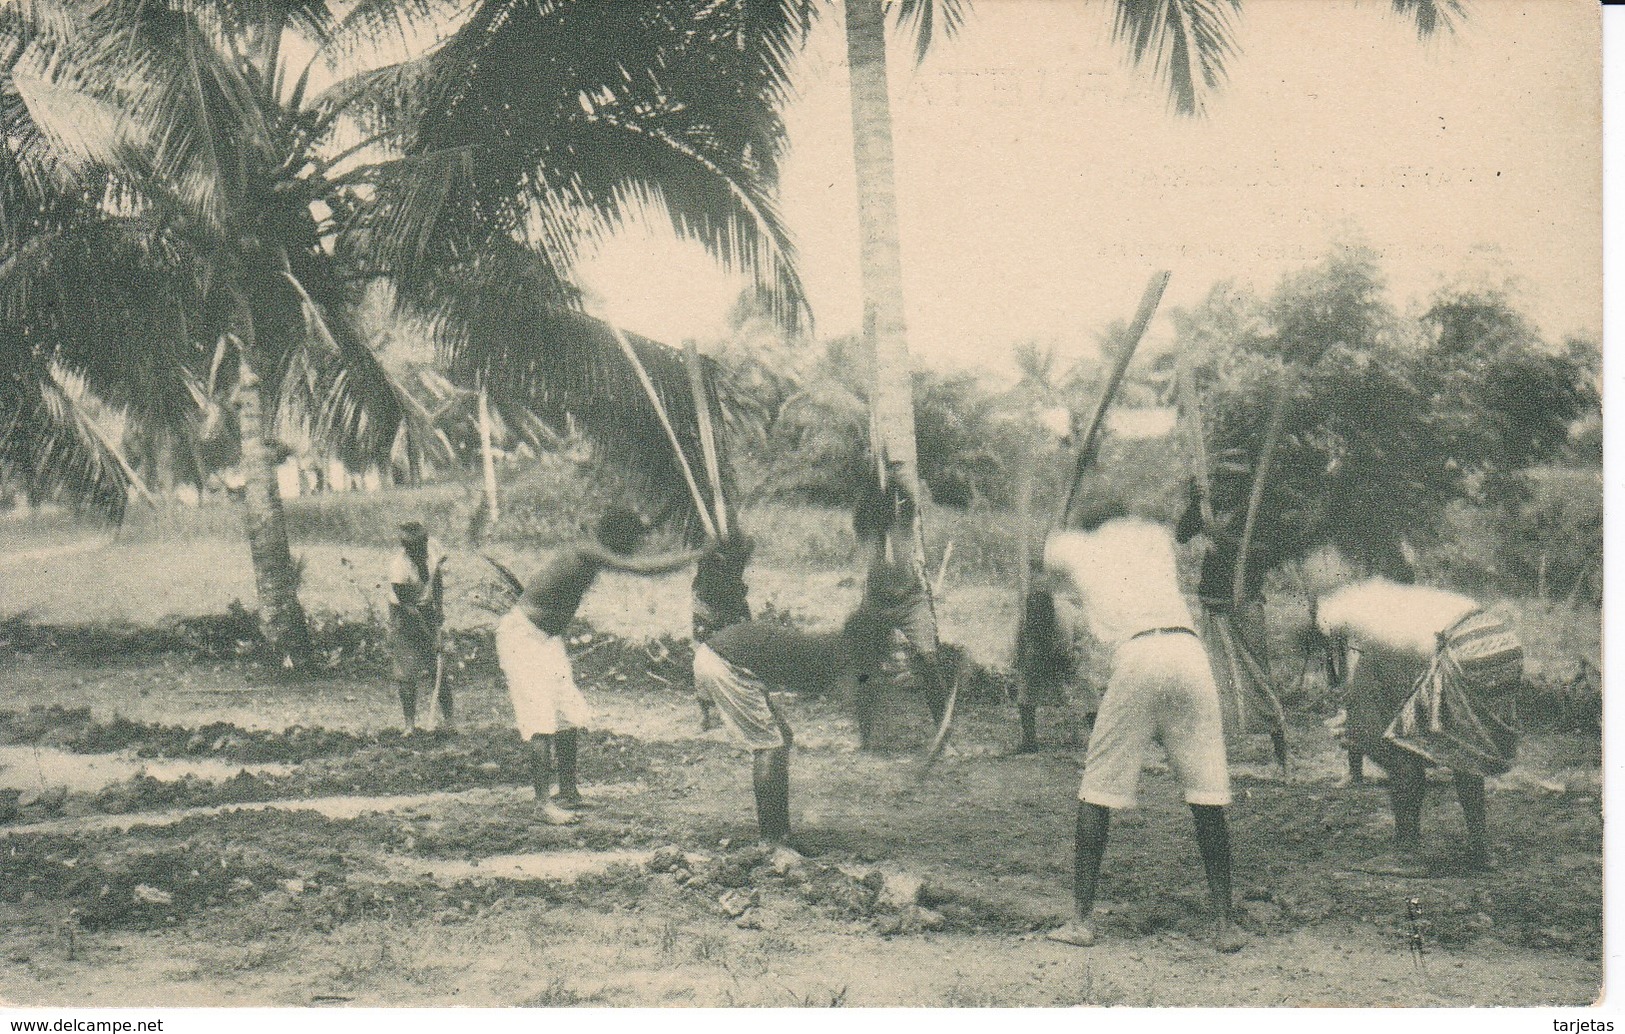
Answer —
720 599
547 705
737 668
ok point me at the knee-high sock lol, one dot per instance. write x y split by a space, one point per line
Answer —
1213 842
1089 848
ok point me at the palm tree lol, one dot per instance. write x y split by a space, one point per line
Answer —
594 114
175 160
1186 43
208 183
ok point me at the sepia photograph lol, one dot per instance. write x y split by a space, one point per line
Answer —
776 504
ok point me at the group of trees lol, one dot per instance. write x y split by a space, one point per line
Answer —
1396 431
195 196
188 220
1389 422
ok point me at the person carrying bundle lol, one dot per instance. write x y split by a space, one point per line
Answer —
1429 678
738 667
416 609
548 707
1124 572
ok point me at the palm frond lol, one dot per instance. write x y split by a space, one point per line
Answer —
927 20
373 25
575 109
81 134
1186 43
1432 16
333 388
49 445
535 354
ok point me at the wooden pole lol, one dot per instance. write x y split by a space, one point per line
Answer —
708 442
1142 318
1190 404
665 422
487 461
1266 454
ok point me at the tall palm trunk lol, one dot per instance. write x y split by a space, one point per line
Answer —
276 581
891 428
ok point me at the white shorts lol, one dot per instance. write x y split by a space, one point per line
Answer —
741 698
537 670
1161 689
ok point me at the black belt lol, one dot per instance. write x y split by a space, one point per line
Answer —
1167 630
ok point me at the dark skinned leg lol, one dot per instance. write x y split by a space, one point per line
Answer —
936 686
1470 792
708 715
541 778
445 703
541 765
565 746
1029 727
407 690
865 706
1407 787
1213 842
770 778
1088 850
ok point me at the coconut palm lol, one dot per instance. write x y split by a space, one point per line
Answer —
180 165
576 118
1186 44
178 161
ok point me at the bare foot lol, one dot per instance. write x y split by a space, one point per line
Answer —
1079 935
554 815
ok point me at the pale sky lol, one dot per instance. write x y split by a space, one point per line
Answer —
1040 181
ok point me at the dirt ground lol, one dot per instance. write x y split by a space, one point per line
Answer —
192 832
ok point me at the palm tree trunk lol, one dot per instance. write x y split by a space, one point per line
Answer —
891 428
276 580
488 465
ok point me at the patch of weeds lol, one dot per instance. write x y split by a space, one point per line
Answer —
708 947
770 944
559 994
820 998
669 938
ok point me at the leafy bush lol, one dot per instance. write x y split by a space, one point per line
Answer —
1551 540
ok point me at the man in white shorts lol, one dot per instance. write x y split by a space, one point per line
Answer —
547 706
1125 575
737 669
